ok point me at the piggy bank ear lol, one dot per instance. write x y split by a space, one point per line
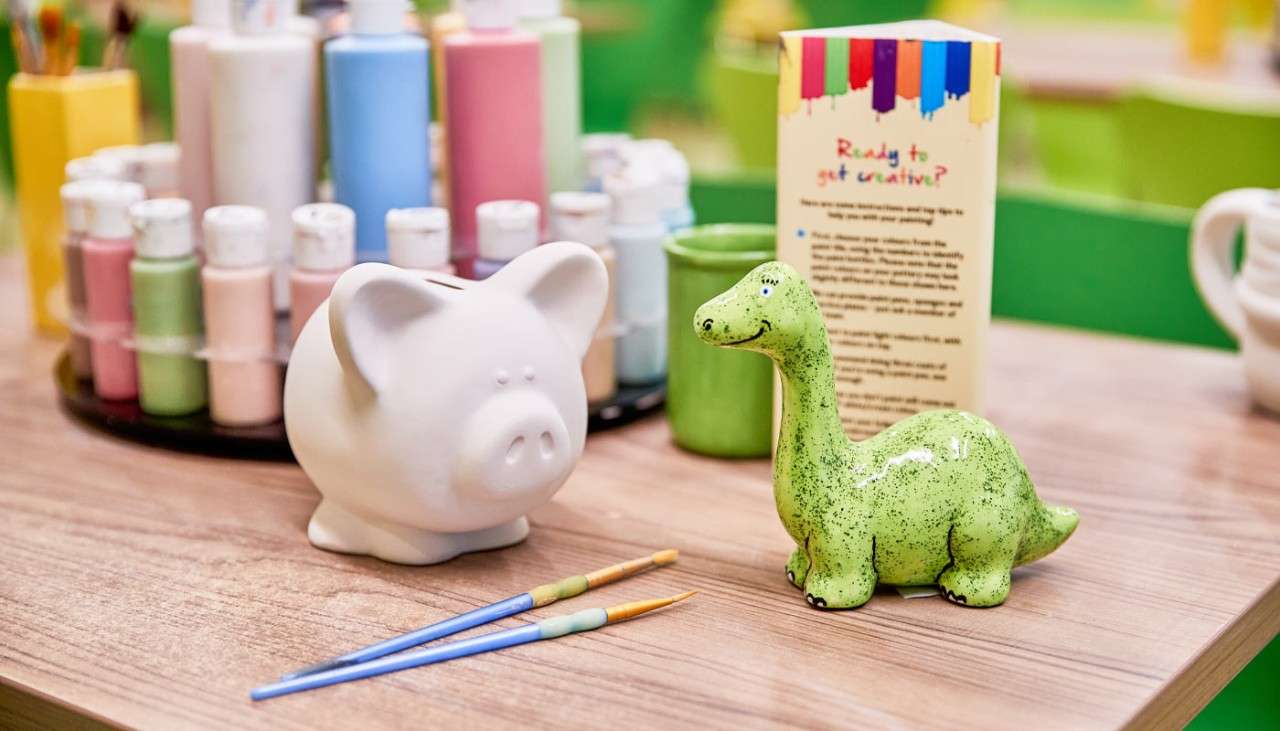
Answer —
369 308
568 284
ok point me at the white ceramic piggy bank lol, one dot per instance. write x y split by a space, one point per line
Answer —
433 415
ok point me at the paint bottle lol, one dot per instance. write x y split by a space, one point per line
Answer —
435 138
442 26
75 202
263 89
107 250
378 94
493 112
239 319
127 156
601 156
189 60
168 325
561 90
637 235
677 212
506 229
94 167
584 217
324 246
418 240
158 169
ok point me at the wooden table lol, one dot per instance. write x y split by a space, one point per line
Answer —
144 588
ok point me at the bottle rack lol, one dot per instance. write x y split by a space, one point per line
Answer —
197 433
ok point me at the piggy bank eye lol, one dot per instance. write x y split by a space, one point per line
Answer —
766 290
502 377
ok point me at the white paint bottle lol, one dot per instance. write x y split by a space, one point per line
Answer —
263 121
418 240
637 235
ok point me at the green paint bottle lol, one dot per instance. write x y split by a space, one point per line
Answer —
168 324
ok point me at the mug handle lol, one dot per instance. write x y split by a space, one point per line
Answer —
1213 234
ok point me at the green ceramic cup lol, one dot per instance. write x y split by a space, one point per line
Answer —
719 402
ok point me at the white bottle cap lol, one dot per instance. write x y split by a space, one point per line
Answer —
324 237
540 9
636 192
235 237
377 17
107 213
581 217
130 156
95 168
75 203
506 229
602 152
489 14
256 17
211 13
158 171
418 238
162 228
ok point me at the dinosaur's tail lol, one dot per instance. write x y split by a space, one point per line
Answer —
1049 527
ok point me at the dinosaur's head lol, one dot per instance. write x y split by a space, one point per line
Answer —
765 311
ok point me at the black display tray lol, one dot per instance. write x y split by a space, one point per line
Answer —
197 432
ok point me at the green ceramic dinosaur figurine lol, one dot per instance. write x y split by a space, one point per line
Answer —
938 498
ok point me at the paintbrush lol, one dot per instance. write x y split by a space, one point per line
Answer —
49 21
123 23
70 49
538 597
547 629
24 42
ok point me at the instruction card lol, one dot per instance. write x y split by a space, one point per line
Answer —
886 204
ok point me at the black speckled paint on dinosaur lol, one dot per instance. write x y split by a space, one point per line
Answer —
940 497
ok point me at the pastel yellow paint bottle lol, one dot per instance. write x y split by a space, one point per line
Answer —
54 119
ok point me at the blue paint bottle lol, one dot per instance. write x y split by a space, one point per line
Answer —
377 88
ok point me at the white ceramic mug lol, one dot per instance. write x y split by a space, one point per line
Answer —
1247 305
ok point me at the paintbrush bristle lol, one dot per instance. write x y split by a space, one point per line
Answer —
632 609
50 21
662 558
123 21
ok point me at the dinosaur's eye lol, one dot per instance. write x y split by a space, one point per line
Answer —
766 290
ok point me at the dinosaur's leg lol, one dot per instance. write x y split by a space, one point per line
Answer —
842 574
798 567
981 549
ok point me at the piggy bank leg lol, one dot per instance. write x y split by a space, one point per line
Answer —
334 528
798 567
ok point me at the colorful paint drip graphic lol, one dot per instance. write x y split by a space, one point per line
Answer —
932 72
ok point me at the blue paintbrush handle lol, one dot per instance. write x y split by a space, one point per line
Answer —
453 625
547 629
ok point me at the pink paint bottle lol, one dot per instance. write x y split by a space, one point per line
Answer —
418 240
493 113
107 250
189 56
324 246
240 322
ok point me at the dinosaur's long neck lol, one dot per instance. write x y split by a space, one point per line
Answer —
811 437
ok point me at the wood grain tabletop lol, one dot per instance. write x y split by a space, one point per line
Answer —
144 588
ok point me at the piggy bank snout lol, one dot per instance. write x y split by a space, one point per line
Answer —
515 446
